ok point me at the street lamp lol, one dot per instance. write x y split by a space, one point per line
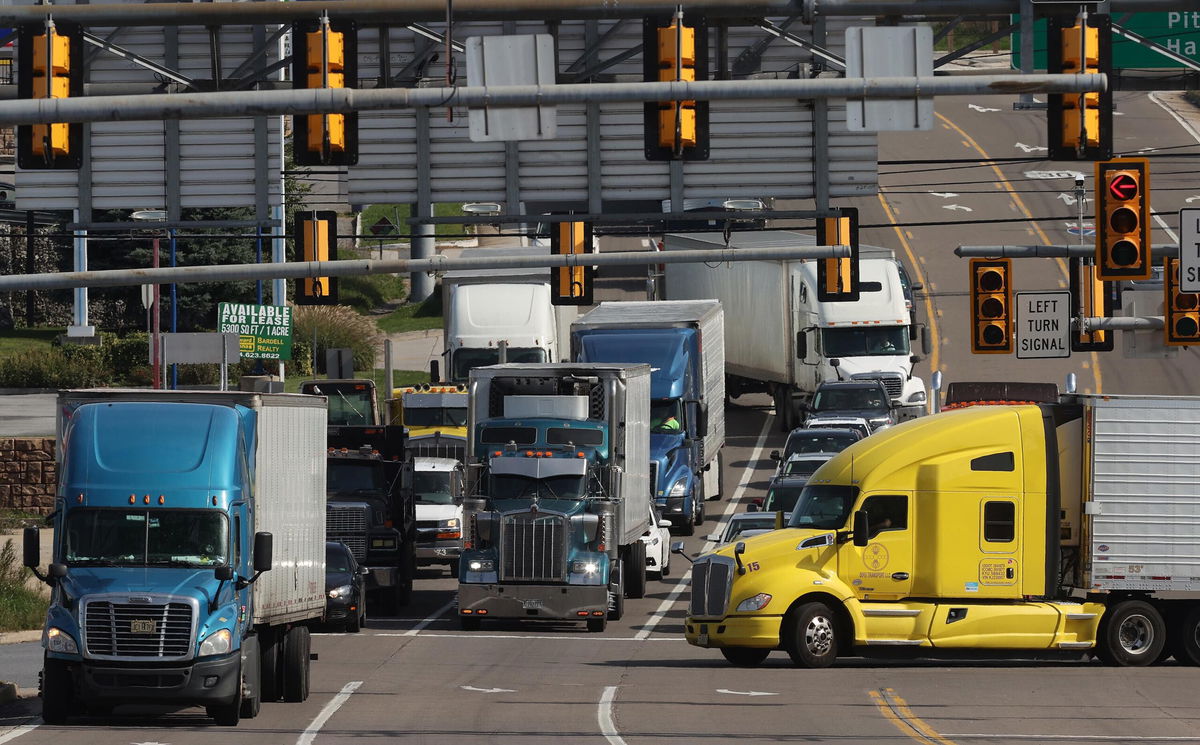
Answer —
155 330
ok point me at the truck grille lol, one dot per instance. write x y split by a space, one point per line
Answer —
347 523
142 630
711 584
894 384
533 547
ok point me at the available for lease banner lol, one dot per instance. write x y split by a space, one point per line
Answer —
265 330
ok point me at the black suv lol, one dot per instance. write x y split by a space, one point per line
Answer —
849 399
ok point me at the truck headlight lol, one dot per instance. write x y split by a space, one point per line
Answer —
58 640
881 422
388 543
218 642
757 602
679 488
584 567
481 565
449 528
340 592
917 398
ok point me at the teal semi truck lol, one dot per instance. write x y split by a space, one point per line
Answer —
560 492
189 551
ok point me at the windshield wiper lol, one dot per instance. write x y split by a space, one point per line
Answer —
93 563
352 407
178 563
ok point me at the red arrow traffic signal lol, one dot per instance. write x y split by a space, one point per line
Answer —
1123 186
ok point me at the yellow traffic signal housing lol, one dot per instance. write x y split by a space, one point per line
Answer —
991 306
837 278
1181 310
325 56
1123 219
315 234
572 285
1093 298
1079 125
49 65
674 51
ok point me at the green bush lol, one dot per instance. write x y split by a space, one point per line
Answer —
336 327
21 608
51 368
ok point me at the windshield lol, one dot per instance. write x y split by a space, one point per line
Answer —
865 342
353 408
823 506
666 416
469 357
140 537
803 467
842 399
436 417
433 487
337 560
782 498
738 527
826 443
507 486
351 476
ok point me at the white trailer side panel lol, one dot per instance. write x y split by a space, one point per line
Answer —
290 504
1144 492
634 414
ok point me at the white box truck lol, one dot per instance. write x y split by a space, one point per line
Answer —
781 340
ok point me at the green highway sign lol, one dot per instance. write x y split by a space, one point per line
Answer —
1178 31
265 330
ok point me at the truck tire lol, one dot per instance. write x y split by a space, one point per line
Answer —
270 642
635 577
687 523
252 673
745 656
454 563
1132 634
784 410
698 498
228 714
810 635
58 691
295 664
1186 638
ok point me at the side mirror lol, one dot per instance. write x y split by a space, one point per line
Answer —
752 507
860 528
677 547
835 362
434 377
714 537
33 547
801 345
223 574
665 523
925 338
262 551
775 455
701 420
364 571
58 571
916 287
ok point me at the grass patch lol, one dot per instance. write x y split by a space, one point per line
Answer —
11 520
408 318
392 221
21 608
19 340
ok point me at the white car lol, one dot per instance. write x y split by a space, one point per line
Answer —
657 540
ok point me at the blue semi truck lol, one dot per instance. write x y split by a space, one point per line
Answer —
189 551
560 493
683 341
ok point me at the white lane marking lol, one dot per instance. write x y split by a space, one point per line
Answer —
487 690
746 693
424 624
730 508
1166 228
982 109
24 729
310 733
1189 200
604 717
1098 738
962 207
1029 148
567 636
943 195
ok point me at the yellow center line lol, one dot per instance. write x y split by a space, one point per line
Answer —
901 706
919 276
894 718
1062 264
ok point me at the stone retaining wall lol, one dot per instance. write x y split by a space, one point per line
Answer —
27 474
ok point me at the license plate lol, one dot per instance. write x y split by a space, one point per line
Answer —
532 604
702 640
142 626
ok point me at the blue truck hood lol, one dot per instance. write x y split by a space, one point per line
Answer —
194 583
661 445
666 351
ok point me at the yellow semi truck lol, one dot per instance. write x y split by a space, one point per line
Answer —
1069 527
434 416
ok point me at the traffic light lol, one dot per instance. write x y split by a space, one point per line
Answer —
1181 310
837 278
672 51
1093 298
1079 125
1123 219
325 55
315 234
991 306
572 284
49 65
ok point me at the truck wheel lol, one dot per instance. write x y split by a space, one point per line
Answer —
811 636
1132 634
783 409
698 498
597 625
269 644
635 578
228 715
454 568
745 656
58 691
469 623
687 523
1186 646
404 585
251 705
295 664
